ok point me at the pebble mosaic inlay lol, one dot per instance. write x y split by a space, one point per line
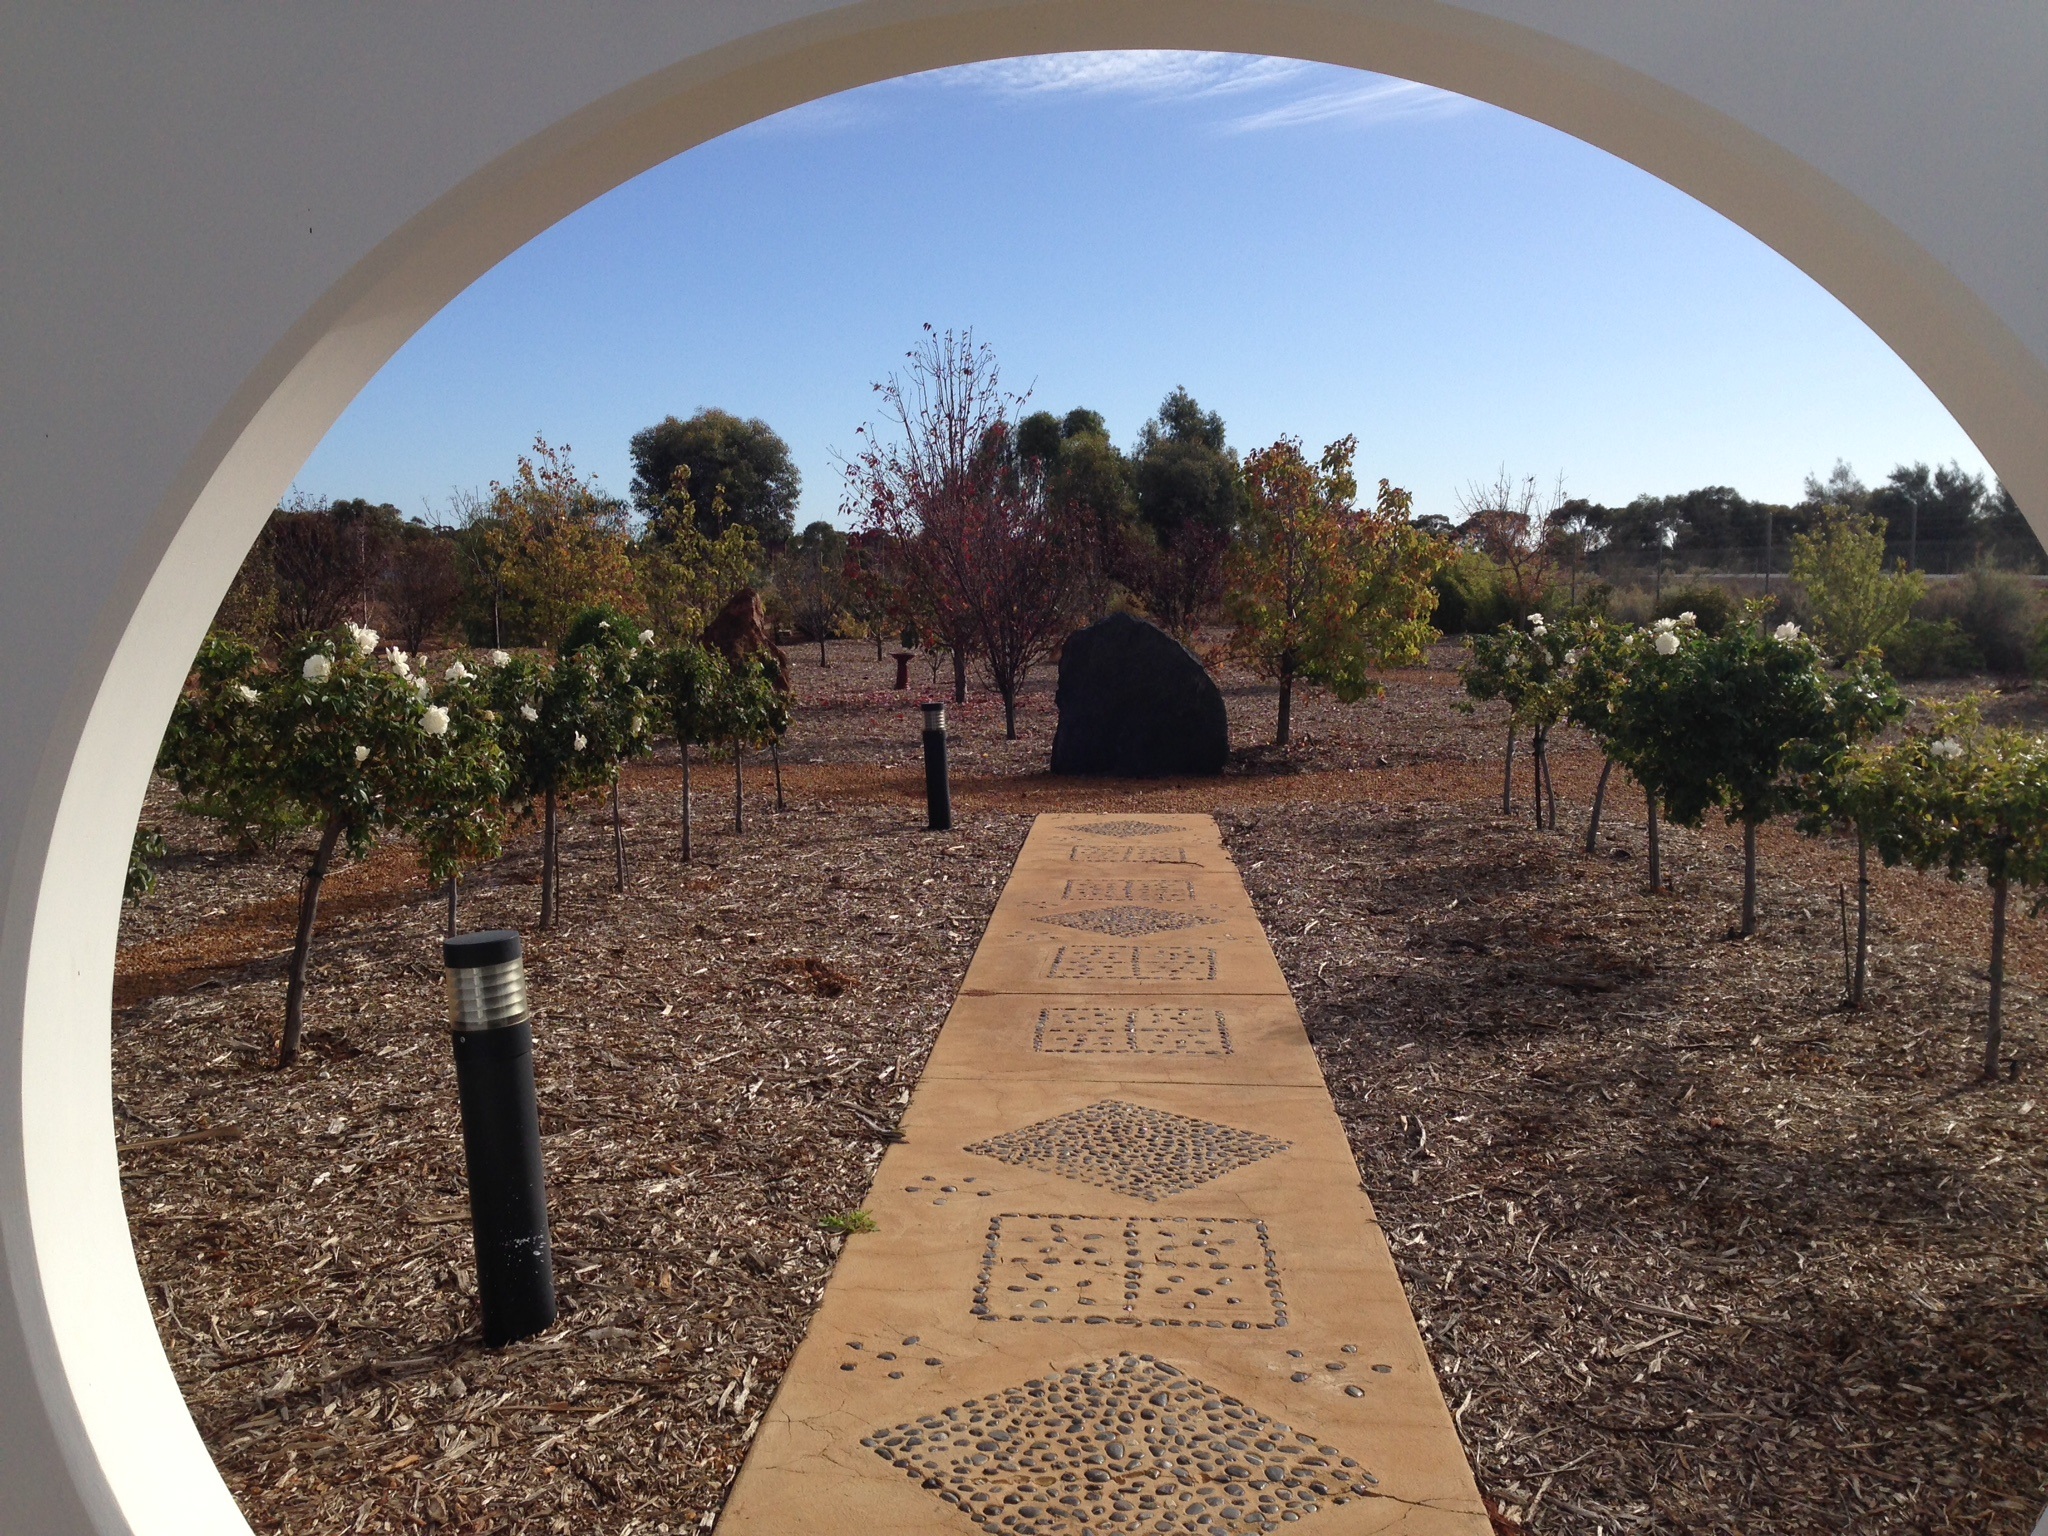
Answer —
1146 1153
1129 853
1129 890
1125 829
1132 962
1120 1447
1127 922
1132 1031
1156 1271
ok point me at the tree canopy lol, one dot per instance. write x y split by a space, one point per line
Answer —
736 472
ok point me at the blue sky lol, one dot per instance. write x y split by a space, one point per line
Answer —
1310 250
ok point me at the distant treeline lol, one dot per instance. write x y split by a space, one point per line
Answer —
1940 520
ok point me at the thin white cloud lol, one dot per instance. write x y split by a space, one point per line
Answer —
1287 93
1134 72
1362 103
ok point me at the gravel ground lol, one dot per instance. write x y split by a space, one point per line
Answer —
1695 1249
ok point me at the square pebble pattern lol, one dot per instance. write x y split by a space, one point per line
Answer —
1120 1447
1132 962
1146 1153
1139 1271
1151 1031
1126 853
1128 890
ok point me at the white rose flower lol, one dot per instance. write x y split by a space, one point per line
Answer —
1667 643
400 662
1688 617
499 658
1571 657
528 712
647 637
435 721
317 668
604 623
1948 749
245 693
362 753
1787 631
1664 626
365 639
458 673
582 741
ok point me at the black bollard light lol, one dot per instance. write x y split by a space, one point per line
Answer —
508 1202
938 792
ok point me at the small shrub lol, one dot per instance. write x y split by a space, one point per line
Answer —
1998 610
143 853
1710 606
1923 649
846 1223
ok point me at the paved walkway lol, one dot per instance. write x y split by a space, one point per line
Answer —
1125 1279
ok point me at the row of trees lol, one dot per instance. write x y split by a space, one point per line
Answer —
334 737
1940 519
999 531
1752 722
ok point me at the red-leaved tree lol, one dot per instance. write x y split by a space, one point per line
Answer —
975 543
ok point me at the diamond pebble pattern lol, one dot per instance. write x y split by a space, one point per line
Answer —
1139 1271
1147 1153
1120 1447
1125 829
1087 1031
1127 922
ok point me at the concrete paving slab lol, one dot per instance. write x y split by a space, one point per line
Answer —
1124 1280
1124 1040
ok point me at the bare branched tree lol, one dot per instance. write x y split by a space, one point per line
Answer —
976 543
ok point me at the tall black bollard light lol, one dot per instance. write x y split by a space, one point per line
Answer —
938 790
508 1203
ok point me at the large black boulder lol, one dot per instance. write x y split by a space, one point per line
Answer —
1135 704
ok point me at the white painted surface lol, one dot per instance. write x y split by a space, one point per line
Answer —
216 222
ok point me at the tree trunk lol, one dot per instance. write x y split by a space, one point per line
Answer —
1536 774
821 650
1286 725
878 645
618 840
686 802
1862 919
453 882
1010 713
1748 879
1507 776
547 861
775 757
1656 851
1599 800
302 947
959 675
739 791
1994 1030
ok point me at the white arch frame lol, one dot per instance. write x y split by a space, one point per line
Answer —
172 349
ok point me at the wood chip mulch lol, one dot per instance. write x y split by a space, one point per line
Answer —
1694 1249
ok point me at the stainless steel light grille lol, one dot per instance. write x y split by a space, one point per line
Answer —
487 996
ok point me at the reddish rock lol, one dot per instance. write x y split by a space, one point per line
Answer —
741 629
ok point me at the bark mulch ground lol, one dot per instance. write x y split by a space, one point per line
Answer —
1694 1249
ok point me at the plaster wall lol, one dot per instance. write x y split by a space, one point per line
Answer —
217 221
